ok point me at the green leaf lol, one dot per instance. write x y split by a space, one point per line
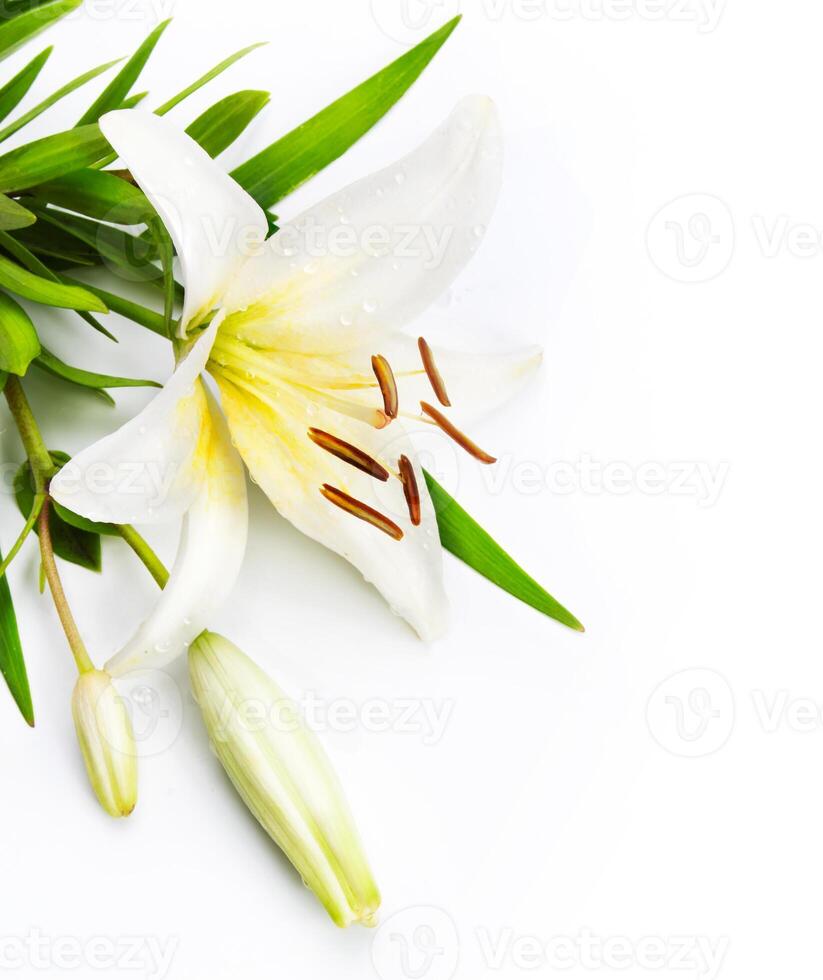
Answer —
50 157
12 664
61 93
81 547
165 247
14 215
118 89
19 251
99 194
285 165
142 315
204 79
19 29
88 379
132 101
19 343
464 537
30 286
221 124
14 90
129 252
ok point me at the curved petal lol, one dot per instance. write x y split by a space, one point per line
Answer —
212 545
214 223
269 427
150 469
378 253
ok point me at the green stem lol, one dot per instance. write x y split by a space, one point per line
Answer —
78 648
42 465
142 549
39 500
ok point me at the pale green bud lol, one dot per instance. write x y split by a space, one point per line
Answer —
284 776
107 742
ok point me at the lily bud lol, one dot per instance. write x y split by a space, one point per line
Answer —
107 742
284 776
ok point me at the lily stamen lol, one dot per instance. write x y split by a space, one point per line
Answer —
434 376
410 489
388 385
349 454
355 507
459 437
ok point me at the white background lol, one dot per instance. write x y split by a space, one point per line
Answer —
583 808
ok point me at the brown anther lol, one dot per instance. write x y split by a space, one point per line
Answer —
459 437
434 376
410 490
349 454
362 511
388 385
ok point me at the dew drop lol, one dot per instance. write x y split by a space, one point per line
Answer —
400 177
369 305
309 268
346 320
479 231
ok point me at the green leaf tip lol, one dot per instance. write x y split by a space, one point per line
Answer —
467 540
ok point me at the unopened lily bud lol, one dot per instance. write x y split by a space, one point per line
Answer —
107 742
284 776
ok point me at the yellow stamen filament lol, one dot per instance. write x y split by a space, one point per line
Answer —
434 376
355 507
459 437
349 454
388 385
410 489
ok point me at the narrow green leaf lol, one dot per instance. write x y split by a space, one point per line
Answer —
19 251
55 244
221 124
19 343
129 252
119 87
14 90
50 157
141 315
99 194
13 8
81 547
282 167
61 93
464 537
87 379
12 664
14 215
204 79
30 286
19 29
132 100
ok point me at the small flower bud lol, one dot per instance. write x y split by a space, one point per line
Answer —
284 776
106 740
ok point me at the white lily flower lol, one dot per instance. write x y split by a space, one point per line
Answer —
284 776
107 742
314 374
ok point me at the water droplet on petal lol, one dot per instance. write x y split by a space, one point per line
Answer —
369 305
400 177
346 320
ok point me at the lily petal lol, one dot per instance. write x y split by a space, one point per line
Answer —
213 222
209 557
150 469
375 255
269 426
